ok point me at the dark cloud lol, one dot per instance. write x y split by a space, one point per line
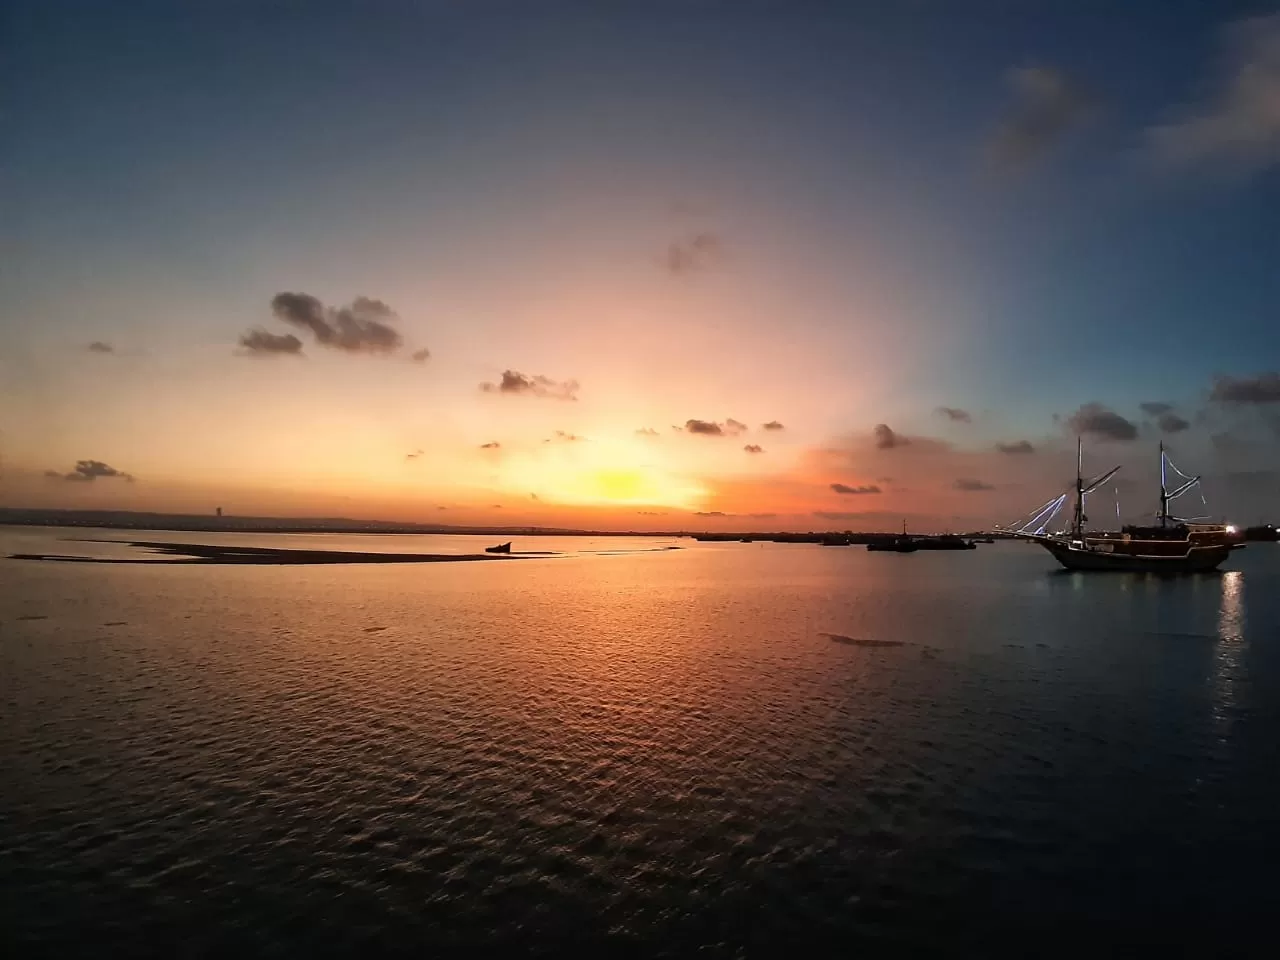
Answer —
87 471
1153 408
955 414
515 383
734 427
705 427
845 488
753 448
420 356
1238 128
1097 421
886 439
1245 391
491 445
533 496
363 326
263 343
710 513
567 437
1046 106
646 432
652 513
413 456
695 254
772 425
971 486
1172 423
1017 446
99 347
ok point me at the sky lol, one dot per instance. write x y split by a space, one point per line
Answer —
638 266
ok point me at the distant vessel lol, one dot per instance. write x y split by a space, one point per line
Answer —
1175 545
947 541
902 544
500 548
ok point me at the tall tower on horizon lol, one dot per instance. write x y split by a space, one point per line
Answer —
218 512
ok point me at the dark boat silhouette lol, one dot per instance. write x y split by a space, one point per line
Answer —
500 548
902 544
1175 545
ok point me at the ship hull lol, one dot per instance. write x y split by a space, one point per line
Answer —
1195 560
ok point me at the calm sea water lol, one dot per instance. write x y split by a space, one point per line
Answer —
658 753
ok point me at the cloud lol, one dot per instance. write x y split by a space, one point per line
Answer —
413 456
517 384
566 437
263 343
772 425
886 439
533 496
652 513
99 347
420 356
1096 420
694 254
646 432
971 486
87 471
955 414
753 448
1155 407
734 427
710 513
363 326
1046 106
837 515
491 445
1172 423
1245 391
1017 446
705 427
1238 127
845 488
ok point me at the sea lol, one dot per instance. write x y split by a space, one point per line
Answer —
720 750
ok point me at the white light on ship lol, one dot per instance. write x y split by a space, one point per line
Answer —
1231 528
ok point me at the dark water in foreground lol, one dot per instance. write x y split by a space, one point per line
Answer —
655 752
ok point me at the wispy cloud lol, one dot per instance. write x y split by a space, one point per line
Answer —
514 383
87 471
1093 419
1155 407
263 343
1172 423
753 448
99 346
1016 447
955 414
491 445
694 254
710 428
772 425
565 437
886 439
420 356
1238 126
1046 106
969 485
846 489
837 515
1247 391
647 432
413 456
362 326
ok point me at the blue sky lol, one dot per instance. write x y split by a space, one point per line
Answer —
507 177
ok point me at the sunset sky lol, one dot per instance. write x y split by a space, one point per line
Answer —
679 265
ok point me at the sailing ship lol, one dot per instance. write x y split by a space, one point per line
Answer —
1173 545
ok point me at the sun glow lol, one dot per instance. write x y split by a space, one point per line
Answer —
600 473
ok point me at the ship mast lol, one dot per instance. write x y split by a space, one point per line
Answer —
1164 492
1077 521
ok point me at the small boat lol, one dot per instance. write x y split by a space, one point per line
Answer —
902 544
500 548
